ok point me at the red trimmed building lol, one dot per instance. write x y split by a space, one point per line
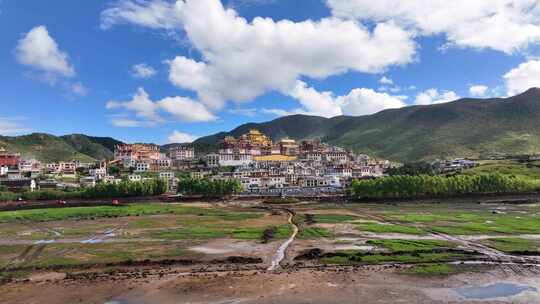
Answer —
10 160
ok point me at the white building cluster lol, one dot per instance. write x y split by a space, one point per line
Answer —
260 165
307 167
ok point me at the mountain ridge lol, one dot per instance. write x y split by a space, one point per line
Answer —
468 127
50 148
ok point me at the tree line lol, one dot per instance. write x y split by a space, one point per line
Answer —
415 168
404 186
208 188
126 188
101 190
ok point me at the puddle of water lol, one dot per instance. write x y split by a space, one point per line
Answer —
280 254
92 241
44 242
211 250
109 233
354 247
497 290
346 239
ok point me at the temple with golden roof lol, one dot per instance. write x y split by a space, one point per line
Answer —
260 147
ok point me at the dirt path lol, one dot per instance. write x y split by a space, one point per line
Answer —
280 254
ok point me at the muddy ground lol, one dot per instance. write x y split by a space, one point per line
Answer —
428 252
368 284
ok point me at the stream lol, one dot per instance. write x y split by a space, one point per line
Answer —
280 254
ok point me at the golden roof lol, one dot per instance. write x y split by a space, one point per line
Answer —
288 140
276 158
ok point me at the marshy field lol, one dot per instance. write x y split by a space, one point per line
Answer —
421 252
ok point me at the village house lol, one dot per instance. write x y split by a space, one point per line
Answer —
4 170
10 160
200 174
48 184
87 181
142 166
313 182
137 152
134 178
166 175
182 152
212 160
98 173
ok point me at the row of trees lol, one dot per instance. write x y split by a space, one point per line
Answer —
417 168
440 186
101 190
126 189
208 188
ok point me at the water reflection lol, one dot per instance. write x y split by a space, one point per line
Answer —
493 291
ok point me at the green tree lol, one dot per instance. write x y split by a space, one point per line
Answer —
417 186
208 188
416 168
114 170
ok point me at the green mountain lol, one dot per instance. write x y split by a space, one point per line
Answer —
50 148
463 128
95 147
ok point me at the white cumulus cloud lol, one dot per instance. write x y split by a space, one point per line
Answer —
156 14
143 71
180 108
478 90
181 137
40 52
185 109
140 104
37 49
241 59
386 80
523 77
366 101
433 96
504 25
314 102
359 101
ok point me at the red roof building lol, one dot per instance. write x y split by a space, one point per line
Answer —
9 159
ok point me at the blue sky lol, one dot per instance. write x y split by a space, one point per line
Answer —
160 71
